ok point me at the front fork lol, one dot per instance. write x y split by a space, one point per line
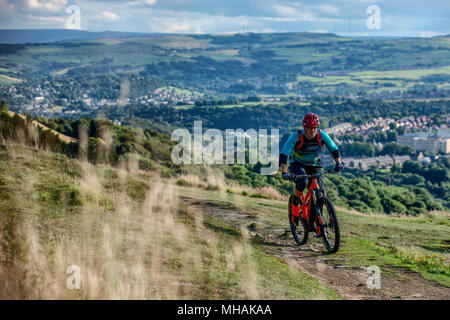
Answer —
319 219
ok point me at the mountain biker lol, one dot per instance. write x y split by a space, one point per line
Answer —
303 148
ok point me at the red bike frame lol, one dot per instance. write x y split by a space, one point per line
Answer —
306 200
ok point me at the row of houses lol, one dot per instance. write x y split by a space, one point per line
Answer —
383 161
422 123
365 163
167 96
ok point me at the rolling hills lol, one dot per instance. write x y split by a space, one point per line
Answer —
275 64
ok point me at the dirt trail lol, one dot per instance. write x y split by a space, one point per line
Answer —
349 282
10 78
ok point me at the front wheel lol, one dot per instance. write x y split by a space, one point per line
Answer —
300 231
330 228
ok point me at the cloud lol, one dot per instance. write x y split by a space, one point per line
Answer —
405 17
129 2
195 23
5 6
328 9
29 14
107 16
59 20
39 6
287 12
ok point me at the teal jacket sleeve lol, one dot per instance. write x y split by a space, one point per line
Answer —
331 146
289 144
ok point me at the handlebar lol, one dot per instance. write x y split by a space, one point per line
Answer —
294 177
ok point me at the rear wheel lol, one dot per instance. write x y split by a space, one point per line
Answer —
299 232
330 229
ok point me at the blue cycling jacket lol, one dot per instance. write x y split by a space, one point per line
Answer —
310 150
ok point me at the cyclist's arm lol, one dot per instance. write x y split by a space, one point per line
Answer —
331 146
286 150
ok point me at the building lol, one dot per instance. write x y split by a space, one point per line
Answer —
427 141
443 133
445 145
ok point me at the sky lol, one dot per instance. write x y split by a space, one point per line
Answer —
416 18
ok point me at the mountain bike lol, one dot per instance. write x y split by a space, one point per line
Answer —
317 214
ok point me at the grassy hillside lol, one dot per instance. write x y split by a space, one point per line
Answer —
100 141
135 235
416 243
146 232
130 234
63 138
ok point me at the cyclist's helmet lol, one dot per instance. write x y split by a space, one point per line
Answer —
310 120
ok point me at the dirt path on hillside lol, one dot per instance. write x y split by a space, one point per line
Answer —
349 282
10 78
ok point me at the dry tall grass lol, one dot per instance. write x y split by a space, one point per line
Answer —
125 249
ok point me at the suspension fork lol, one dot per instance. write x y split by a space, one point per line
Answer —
319 218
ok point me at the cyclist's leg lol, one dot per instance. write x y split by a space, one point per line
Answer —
312 170
312 214
298 169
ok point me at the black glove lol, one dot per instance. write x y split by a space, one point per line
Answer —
286 176
339 166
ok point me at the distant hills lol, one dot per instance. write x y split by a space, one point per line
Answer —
23 36
79 70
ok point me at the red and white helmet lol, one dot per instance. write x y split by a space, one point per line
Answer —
310 120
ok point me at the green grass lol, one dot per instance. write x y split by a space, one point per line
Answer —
241 105
405 74
329 80
361 252
209 257
185 91
184 107
374 81
102 215
238 269
287 282
299 55
367 239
